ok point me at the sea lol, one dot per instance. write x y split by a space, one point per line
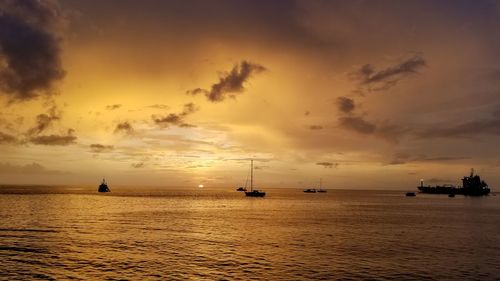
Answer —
75 233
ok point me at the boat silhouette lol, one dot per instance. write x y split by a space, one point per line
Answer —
103 187
471 186
314 190
253 192
320 189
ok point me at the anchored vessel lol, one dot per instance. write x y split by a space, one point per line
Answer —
320 189
253 192
314 190
103 187
471 186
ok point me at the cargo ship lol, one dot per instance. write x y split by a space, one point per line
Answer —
471 186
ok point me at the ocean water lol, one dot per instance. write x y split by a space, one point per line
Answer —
51 233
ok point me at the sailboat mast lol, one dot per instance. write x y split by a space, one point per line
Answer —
320 183
251 175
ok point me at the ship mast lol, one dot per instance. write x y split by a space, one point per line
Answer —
251 175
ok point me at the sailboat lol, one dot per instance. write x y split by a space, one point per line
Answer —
103 187
320 189
253 192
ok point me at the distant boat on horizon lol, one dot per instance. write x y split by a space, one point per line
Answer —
320 189
253 192
314 190
103 187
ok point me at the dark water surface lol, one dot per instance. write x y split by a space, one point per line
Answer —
201 234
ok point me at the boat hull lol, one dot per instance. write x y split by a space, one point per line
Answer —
255 194
103 188
453 190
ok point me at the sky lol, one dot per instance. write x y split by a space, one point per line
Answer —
362 94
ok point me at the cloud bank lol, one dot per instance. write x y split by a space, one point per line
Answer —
30 53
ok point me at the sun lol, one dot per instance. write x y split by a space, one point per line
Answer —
200 185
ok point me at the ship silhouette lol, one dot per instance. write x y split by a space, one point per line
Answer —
103 187
253 192
471 186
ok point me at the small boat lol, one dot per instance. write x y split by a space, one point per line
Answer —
253 192
320 189
410 194
103 187
451 195
314 190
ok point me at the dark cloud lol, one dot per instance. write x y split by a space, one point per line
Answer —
6 138
345 105
158 106
386 78
30 55
189 108
44 121
170 119
124 127
357 124
138 165
197 91
328 164
315 127
371 79
67 139
33 168
230 83
99 148
383 130
475 128
176 119
113 106
391 132
442 158
403 158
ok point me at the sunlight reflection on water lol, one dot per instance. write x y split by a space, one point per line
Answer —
220 234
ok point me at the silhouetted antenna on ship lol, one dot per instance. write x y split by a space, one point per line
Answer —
471 172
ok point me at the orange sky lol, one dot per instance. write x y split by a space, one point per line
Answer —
364 94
